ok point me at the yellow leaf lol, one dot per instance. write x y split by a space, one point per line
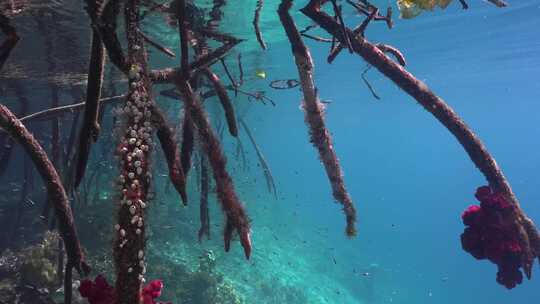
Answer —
411 8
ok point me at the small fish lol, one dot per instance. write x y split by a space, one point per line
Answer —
334 259
260 73
30 202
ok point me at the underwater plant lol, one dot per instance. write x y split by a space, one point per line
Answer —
498 230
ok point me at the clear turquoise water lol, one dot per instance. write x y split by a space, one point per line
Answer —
409 178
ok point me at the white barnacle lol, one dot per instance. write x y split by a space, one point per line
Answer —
129 202
130 269
132 209
140 222
141 263
140 254
139 171
117 227
132 141
131 175
142 204
134 219
137 163
138 231
136 182
122 233
133 133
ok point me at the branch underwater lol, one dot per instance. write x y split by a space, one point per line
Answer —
496 230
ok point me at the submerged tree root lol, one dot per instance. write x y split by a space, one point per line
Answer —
236 218
204 215
528 235
256 20
320 137
10 42
225 101
55 188
170 149
90 126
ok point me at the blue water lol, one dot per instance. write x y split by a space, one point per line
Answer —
408 176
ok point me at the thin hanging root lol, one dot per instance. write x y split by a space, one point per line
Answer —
369 84
256 18
240 70
240 153
157 46
55 189
231 79
10 42
234 211
90 126
266 169
68 283
528 233
314 116
236 217
6 148
107 31
188 143
225 101
170 149
464 4
204 215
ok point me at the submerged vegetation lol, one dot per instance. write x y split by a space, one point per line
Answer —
192 142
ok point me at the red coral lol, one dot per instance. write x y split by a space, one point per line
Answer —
489 235
100 292
97 291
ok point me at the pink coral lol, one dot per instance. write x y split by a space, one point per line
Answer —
97 291
152 291
490 235
100 292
